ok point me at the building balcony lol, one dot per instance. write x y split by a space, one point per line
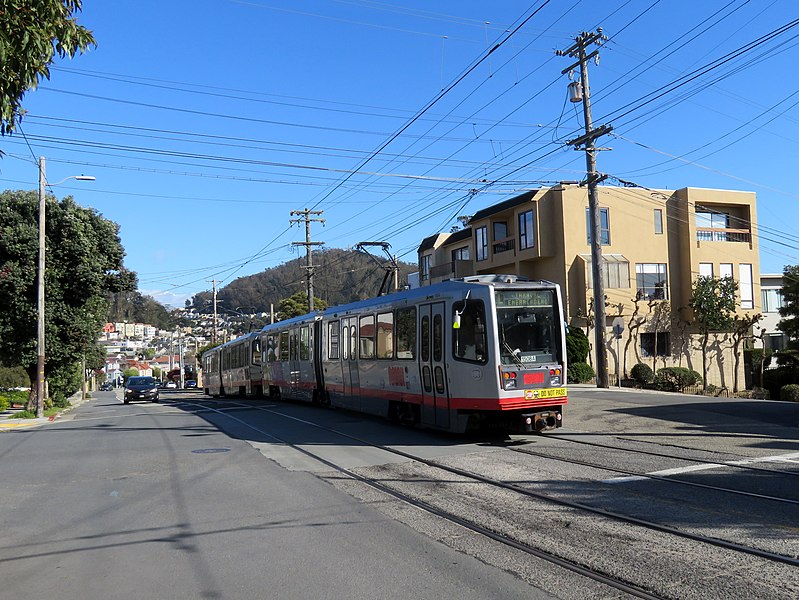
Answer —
505 245
718 234
452 270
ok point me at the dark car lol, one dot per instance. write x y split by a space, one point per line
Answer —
189 384
141 388
107 386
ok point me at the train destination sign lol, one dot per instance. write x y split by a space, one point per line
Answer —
524 298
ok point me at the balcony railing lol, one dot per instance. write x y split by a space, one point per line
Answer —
506 245
718 234
454 269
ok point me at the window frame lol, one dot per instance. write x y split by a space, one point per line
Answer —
640 273
481 243
527 230
604 225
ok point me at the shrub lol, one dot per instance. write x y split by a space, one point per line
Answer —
4 404
12 377
14 397
642 374
577 346
790 392
775 379
676 379
580 372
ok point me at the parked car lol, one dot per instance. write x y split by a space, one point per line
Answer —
190 384
106 386
170 385
141 388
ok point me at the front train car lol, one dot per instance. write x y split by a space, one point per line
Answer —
484 352
508 355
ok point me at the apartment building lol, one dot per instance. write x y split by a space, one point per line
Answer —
771 295
654 244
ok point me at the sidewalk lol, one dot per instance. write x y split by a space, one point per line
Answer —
7 424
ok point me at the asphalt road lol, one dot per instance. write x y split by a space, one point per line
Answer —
149 501
179 501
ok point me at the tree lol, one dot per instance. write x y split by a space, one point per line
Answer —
741 332
84 264
713 303
297 305
32 32
789 324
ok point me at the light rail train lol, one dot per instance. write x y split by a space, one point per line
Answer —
480 353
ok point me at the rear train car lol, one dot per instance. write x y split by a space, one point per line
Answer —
234 368
479 353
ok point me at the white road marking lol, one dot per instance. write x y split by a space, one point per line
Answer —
785 458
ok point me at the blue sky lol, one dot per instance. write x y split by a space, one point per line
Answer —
206 122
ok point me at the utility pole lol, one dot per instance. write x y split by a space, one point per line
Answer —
213 334
581 91
306 218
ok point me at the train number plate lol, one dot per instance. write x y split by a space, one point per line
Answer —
548 393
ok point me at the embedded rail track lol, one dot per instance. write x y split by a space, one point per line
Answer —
617 583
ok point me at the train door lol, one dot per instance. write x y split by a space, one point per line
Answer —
349 341
435 395
294 362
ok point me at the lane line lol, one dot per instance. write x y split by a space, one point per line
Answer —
783 458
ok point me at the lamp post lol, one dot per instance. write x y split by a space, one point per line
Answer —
40 284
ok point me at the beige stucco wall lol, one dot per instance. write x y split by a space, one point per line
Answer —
561 245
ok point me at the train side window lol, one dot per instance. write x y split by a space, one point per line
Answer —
385 335
353 340
284 345
366 333
438 339
469 342
294 345
305 341
271 348
425 339
406 333
345 336
332 350
256 352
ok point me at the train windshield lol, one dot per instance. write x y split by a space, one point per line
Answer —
528 325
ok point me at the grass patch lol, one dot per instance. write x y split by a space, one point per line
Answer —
23 414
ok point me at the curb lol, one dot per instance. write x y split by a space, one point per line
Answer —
8 424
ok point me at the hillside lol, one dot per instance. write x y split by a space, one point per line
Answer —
340 276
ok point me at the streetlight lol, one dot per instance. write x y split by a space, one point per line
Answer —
40 285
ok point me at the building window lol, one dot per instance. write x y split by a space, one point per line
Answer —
460 254
658 221
651 281
500 230
648 348
745 286
481 242
708 225
772 300
615 271
424 267
526 230
775 342
604 226
706 269
725 270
